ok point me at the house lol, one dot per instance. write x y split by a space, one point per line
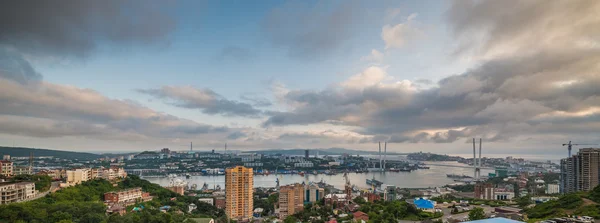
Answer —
116 209
360 216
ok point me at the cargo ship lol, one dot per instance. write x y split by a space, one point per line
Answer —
374 182
456 176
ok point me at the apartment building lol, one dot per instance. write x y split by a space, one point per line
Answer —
13 192
239 186
78 176
6 168
291 200
127 196
22 170
314 193
580 172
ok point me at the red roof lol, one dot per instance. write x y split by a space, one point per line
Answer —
359 214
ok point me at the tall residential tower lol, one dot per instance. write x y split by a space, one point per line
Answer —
239 184
580 172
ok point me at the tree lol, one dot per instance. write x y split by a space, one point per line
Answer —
476 214
359 200
290 219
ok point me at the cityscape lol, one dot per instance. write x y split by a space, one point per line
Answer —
313 111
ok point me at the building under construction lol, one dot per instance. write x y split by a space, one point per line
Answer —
580 172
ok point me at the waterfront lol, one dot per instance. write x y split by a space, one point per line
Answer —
435 176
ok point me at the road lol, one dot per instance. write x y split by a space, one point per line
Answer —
53 186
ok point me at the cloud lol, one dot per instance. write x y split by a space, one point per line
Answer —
489 28
235 53
256 101
44 109
206 100
398 35
14 67
505 97
236 135
77 27
375 56
309 31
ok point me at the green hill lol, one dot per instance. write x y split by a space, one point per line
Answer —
21 151
580 203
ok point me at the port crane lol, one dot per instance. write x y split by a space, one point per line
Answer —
570 146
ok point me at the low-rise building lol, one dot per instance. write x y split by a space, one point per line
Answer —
304 164
208 200
78 176
6 168
22 170
127 196
177 189
13 192
256 164
220 202
552 189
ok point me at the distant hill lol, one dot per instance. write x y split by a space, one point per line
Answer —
322 152
21 151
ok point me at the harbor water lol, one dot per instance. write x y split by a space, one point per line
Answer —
422 178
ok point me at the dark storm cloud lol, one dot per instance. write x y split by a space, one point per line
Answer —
76 27
206 100
308 31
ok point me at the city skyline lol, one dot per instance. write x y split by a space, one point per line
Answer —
423 76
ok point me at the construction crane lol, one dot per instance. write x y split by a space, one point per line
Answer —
570 146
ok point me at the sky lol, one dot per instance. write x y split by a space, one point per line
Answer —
116 76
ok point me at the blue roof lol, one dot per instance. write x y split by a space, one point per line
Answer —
496 220
423 203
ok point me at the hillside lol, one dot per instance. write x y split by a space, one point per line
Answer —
580 203
83 203
322 152
21 151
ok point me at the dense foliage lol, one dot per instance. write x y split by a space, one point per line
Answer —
42 182
463 188
384 211
555 208
83 203
265 201
476 214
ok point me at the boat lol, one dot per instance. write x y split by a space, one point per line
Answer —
375 169
405 169
456 176
394 170
301 173
374 182
187 176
